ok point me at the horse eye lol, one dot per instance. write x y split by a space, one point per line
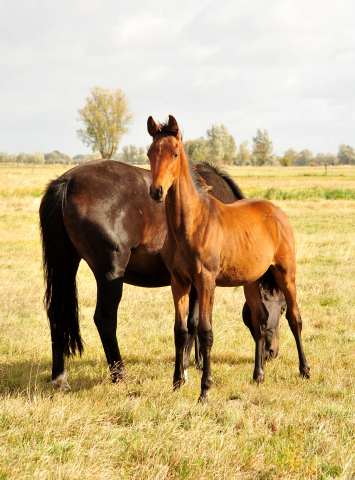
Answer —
176 155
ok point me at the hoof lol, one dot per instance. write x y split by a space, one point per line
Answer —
61 382
177 384
199 364
203 398
117 375
259 377
185 375
305 371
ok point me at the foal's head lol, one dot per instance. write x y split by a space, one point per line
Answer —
164 155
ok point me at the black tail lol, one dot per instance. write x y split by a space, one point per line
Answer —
60 262
268 281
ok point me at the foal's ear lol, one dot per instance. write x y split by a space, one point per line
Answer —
153 128
174 126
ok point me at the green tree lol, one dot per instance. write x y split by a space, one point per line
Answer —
285 161
37 157
106 117
222 145
305 158
346 154
198 149
262 148
243 156
57 157
132 154
331 159
22 157
3 157
292 155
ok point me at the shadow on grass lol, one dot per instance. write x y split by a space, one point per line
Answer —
232 359
17 378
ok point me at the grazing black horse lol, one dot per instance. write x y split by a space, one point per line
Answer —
102 212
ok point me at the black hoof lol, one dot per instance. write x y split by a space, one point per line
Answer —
305 371
259 377
198 365
117 375
203 398
177 384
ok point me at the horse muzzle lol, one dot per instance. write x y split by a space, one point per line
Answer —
156 194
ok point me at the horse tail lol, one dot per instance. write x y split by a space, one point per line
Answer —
269 283
59 257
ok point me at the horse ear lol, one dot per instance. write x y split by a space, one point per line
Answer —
174 126
153 128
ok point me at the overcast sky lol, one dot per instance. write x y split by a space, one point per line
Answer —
284 65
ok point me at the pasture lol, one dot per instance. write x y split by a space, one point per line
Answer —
286 428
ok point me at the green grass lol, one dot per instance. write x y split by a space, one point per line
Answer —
287 428
313 193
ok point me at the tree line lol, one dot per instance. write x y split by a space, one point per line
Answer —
106 118
131 154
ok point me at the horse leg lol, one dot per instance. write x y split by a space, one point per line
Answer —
192 322
259 317
205 288
109 294
59 376
62 309
180 293
286 281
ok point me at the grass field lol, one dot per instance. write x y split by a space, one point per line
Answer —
286 428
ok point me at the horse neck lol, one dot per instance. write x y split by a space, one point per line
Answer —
183 201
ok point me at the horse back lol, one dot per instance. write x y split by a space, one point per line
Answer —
252 235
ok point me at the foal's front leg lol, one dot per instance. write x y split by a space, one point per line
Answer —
205 288
180 293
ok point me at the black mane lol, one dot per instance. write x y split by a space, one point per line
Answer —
227 178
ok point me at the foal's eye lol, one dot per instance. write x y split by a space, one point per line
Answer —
176 155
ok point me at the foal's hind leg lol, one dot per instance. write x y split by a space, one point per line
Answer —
286 281
259 317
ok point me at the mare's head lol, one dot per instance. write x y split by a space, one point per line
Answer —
164 155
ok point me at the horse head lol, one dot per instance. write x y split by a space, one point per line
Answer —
164 155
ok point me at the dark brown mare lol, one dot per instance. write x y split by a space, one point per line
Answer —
102 212
209 243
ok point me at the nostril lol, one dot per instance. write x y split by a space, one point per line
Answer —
160 190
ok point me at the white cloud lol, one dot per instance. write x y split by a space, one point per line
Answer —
283 65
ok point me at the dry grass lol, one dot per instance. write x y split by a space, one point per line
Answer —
287 428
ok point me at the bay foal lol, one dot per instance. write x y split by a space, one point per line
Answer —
209 243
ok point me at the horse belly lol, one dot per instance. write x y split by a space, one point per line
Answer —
146 270
245 267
